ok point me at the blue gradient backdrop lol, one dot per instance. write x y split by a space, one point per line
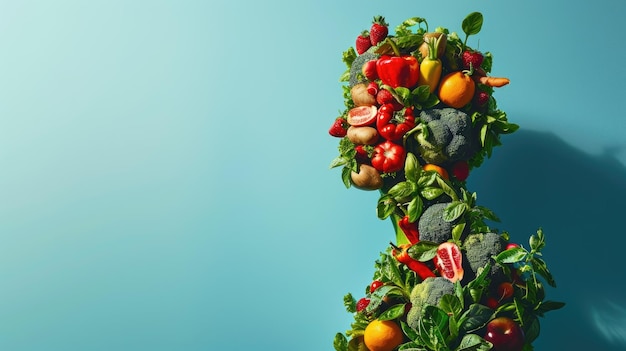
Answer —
165 180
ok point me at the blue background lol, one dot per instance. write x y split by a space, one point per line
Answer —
165 182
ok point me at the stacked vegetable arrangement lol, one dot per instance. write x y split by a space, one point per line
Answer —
420 115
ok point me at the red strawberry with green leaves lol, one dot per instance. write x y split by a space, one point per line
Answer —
379 30
339 128
472 58
363 42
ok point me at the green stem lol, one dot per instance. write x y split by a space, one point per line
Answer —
400 236
394 47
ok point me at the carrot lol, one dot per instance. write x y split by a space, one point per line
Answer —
494 82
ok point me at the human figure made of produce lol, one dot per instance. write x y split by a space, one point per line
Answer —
420 115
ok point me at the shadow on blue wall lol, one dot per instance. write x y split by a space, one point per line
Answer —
537 180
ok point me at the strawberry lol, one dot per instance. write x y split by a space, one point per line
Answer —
362 304
339 128
363 42
385 97
472 58
379 30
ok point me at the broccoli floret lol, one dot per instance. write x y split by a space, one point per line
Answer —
480 249
432 226
449 136
428 292
356 74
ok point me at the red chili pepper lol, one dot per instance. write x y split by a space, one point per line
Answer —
398 71
388 157
391 124
416 266
409 229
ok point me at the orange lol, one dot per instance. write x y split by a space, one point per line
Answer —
432 167
456 89
382 335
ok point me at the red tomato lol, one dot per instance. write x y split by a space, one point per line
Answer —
388 157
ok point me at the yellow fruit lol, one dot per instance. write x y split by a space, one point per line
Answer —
382 335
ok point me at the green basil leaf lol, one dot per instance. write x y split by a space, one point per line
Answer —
426 179
346 176
401 191
541 268
421 93
408 331
391 271
404 95
431 192
393 312
548 305
451 305
411 168
434 327
532 331
386 206
473 23
457 231
512 255
473 342
415 208
423 250
476 317
454 210
340 343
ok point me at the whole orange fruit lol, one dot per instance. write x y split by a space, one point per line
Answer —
432 167
382 335
456 89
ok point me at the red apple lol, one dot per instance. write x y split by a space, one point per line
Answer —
505 334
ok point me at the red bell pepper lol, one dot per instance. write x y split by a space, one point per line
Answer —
388 157
391 124
398 71
402 255
410 229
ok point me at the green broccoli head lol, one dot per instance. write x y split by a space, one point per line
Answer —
432 226
428 292
480 249
449 136
356 74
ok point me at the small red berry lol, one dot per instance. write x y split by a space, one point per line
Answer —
504 291
375 285
482 98
460 170
511 245
362 304
491 303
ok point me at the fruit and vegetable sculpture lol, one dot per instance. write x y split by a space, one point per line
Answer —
419 116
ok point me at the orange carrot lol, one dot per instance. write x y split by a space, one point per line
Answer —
494 82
